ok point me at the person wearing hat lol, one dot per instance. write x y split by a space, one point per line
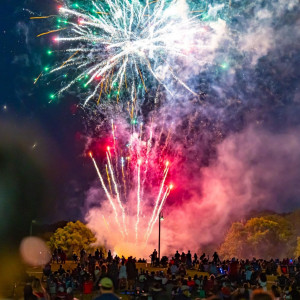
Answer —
107 290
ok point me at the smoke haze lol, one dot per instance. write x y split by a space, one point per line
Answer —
236 148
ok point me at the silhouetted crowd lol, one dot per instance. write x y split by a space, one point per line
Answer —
184 276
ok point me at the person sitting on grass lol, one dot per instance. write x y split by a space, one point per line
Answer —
107 290
182 270
174 269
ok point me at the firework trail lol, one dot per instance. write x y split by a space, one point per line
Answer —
108 178
123 176
157 200
166 194
105 222
107 193
138 198
139 151
115 148
116 189
149 144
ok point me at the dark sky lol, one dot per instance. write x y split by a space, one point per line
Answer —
53 129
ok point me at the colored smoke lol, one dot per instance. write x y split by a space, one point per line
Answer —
238 145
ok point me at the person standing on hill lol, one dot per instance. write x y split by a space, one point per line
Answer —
189 259
153 257
216 258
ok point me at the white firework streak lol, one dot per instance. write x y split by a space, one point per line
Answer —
149 144
131 36
117 192
138 200
163 200
107 194
157 201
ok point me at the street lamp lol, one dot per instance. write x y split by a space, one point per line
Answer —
161 218
32 222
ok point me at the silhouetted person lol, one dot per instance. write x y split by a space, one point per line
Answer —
183 257
216 258
154 257
202 257
109 256
189 259
195 259
97 254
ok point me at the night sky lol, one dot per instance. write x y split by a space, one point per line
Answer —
53 129
264 91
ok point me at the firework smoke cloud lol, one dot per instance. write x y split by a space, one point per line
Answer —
183 93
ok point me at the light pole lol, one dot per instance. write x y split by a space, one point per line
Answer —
160 218
32 222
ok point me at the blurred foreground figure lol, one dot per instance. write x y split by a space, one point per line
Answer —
22 200
107 290
261 295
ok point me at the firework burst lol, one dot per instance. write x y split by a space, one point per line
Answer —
122 48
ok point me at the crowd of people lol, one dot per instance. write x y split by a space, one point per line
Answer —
182 277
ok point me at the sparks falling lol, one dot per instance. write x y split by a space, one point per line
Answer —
107 193
138 163
120 47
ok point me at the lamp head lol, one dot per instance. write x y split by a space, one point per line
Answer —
161 217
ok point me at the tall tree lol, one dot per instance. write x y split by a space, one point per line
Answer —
263 237
235 241
72 238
